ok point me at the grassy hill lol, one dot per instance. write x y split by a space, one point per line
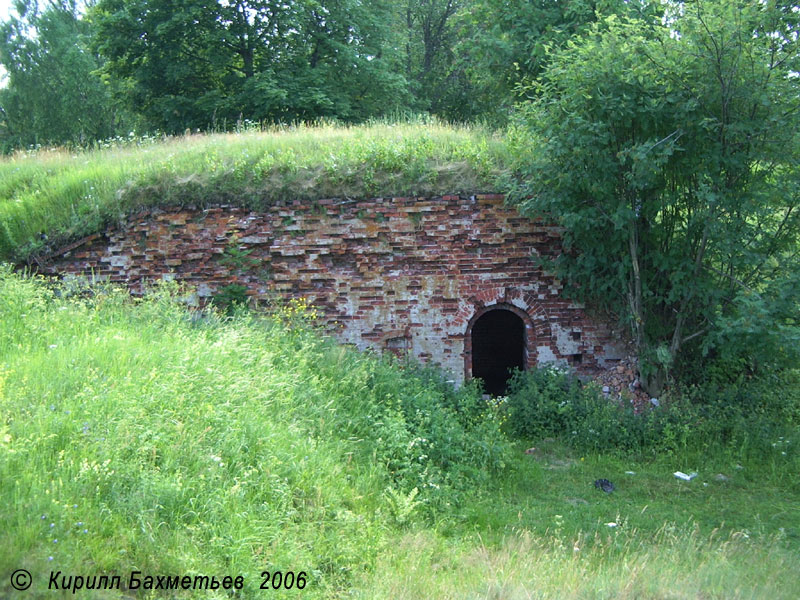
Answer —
135 436
65 195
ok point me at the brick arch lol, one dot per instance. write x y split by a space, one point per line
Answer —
369 270
522 300
534 318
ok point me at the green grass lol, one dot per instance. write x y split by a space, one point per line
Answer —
66 195
170 443
668 564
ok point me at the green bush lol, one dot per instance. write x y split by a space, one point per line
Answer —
548 402
751 418
428 435
230 297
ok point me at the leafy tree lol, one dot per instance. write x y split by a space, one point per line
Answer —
174 56
204 63
431 64
504 45
668 149
53 95
348 56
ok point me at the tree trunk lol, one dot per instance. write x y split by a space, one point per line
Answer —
653 376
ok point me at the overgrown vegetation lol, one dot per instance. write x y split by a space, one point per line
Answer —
152 426
136 435
668 150
744 417
61 195
150 65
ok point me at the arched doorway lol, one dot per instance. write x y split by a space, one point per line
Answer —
498 347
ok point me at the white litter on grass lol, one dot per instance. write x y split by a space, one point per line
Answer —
630 472
611 525
684 476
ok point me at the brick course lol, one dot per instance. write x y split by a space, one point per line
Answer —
391 274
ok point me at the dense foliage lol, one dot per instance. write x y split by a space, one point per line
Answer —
54 94
662 135
669 150
744 416
173 65
200 63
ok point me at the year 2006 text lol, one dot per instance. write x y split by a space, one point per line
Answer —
276 580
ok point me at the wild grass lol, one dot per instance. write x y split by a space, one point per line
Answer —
621 564
64 195
135 435
545 532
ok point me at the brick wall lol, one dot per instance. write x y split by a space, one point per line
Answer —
393 274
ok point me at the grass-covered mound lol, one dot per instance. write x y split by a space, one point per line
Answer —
136 436
65 195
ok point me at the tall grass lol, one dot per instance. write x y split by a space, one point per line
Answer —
620 565
135 435
751 420
64 194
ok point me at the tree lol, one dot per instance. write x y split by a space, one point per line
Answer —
54 95
668 149
348 55
430 61
204 63
504 44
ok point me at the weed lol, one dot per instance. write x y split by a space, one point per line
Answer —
401 506
236 257
231 298
739 418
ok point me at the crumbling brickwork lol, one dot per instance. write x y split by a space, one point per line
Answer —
392 274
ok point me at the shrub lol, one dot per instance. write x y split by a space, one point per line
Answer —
230 297
427 434
746 417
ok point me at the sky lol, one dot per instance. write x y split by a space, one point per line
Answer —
5 9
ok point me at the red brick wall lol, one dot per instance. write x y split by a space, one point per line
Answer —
397 274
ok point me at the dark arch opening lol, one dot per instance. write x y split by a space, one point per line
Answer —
498 347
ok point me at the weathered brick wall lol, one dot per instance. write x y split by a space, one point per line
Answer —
397 274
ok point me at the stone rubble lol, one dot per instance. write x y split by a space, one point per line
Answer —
620 382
